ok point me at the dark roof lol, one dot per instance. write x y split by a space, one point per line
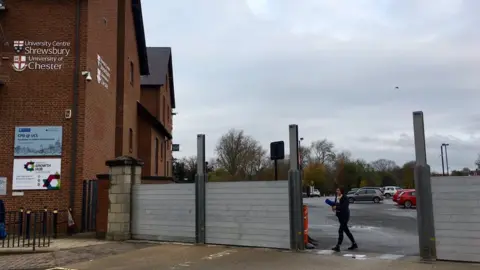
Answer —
157 125
140 36
160 64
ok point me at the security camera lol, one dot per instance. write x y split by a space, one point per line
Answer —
87 75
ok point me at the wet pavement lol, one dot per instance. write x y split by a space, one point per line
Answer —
176 257
42 261
382 229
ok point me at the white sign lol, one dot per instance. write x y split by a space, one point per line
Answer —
103 72
40 55
30 174
3 186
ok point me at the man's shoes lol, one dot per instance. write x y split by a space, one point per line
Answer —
336 248
353 247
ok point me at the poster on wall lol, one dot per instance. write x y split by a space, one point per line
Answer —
36 174
3 186
38 141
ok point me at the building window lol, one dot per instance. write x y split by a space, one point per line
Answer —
161 150
165 151
131 73
156 156
130 140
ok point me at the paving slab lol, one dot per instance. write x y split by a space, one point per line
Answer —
175 257
70 253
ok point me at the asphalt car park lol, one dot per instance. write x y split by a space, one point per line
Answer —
381 228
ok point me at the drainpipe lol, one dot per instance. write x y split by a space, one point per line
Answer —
76 74
120 77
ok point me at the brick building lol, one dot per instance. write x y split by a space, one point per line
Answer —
71 98
155 110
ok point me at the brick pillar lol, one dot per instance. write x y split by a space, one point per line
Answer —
125 171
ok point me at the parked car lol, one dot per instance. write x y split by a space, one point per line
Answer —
389 191
407 199
398 193
366 195
351 191
315 193
377 188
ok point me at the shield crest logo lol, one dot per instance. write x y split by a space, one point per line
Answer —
18 45
19 63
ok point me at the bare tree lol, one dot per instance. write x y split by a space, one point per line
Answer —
212 163
254 159
190 163
239 154
322 151
383 165
305 155
345 156
477 162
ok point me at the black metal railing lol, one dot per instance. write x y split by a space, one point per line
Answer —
27 228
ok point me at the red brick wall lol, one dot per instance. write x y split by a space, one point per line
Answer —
41 97
150 99
100 102
132 91
145 148
161 149
35 97
158 102
103 204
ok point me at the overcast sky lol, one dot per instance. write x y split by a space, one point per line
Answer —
329 66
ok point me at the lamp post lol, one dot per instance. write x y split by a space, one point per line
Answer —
446 157
441 155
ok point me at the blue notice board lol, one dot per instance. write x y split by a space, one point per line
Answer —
38 141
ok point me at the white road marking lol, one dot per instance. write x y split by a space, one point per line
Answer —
361 256
356 256
219 254
390 256
325 252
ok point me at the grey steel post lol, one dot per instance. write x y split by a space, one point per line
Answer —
295 193
200 180
425 224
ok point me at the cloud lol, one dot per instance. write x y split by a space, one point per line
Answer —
329 66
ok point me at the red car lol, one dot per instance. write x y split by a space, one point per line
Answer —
395 196
407 198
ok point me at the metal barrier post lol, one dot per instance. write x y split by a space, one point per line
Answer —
295 192
27 226
34 230
20 225
200 186
55 222
425 219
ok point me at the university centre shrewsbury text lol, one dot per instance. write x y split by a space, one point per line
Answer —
40 55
